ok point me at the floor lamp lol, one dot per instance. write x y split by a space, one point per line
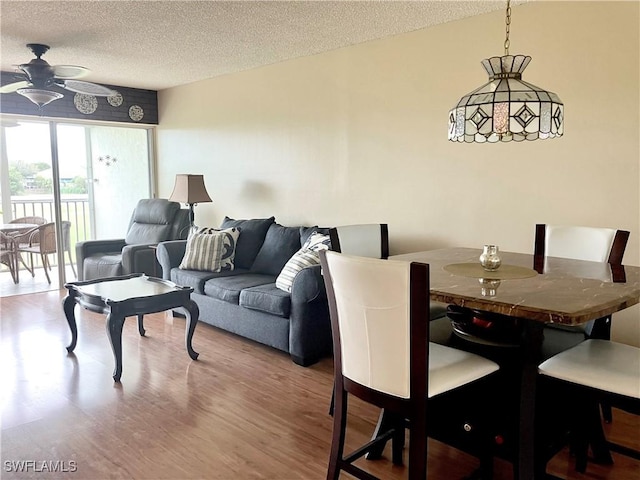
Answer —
190 189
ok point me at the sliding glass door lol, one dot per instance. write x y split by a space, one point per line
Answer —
85 178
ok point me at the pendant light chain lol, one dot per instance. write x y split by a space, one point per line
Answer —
508 24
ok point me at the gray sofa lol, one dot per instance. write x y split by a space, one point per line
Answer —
246 301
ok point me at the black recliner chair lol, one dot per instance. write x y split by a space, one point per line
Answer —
153 221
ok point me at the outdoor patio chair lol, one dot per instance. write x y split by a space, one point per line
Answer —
39 240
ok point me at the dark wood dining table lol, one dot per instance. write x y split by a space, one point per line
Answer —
564 291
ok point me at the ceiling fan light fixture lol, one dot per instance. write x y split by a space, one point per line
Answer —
39 96
37 76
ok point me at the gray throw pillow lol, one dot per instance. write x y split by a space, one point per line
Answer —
279 245
252 233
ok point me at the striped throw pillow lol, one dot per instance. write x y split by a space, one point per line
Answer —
210 250
305 257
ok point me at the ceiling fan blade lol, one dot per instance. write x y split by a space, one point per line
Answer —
87 88
65 72
12 87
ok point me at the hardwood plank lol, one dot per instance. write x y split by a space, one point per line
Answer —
242 410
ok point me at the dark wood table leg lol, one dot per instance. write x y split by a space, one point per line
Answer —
68 305
141 329
115 322
525 466
191 313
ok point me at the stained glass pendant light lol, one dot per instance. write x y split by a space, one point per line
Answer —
506 108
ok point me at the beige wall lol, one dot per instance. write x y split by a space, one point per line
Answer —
360 135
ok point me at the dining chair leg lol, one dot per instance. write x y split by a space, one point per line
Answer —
418 447
45 264
397 440
337 441
16 267
20 260
12 269
333 401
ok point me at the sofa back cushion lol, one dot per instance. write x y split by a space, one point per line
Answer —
252 233
279 245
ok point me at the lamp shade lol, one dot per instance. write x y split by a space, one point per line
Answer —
190 189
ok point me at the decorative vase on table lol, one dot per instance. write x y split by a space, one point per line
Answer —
490 258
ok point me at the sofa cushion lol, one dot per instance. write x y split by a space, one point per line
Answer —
252 233
210 250
279 244
196 279
267 298
228 288
305 257
102 265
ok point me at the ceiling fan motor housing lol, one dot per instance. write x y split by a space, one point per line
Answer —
39 72
38 49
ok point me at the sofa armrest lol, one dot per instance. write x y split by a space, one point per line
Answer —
169 255
140 258
308 285
91 247
310 328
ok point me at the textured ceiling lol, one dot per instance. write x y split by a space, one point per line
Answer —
160 44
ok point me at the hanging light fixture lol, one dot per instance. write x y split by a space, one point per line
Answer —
506 108
39 96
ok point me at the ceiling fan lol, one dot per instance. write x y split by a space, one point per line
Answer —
37 76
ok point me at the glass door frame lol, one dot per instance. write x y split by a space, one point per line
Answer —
53 124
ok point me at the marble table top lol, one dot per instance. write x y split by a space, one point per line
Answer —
565 291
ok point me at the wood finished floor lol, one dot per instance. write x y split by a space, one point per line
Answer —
242 411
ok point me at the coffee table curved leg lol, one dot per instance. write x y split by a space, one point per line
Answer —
192 312
141 329
114 330
68 305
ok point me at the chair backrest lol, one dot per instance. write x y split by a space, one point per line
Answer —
157 220
367 240
33 220
379 316
47 238
605 245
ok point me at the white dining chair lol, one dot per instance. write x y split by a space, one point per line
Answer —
605 248
593 372
368 240
380 327
364 240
